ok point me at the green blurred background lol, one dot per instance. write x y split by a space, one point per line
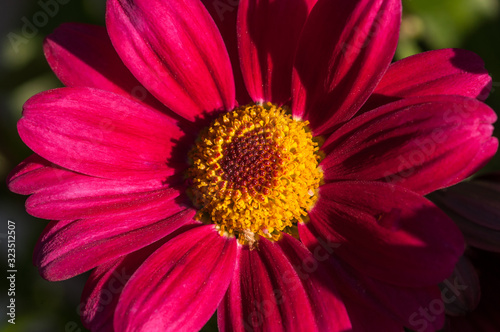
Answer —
43 306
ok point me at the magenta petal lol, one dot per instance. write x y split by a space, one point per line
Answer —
26 177
104 286
224 13
440 72
180 285
421 143
326 304
266 294
386 232
81 55
268 34
68 248
344 49
99 133
175 50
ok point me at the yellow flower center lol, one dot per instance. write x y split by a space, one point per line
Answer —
255 173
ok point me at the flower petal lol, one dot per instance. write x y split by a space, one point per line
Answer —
332 80
421 143
224 13
60 194
386 232
68 248
439 72
81 55
180 285
265 294
175 50
104 287
99 133
419 309
268 34
320 287
475 208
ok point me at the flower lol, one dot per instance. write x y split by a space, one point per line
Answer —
288 195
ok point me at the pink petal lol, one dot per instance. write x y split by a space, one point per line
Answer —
224 13
81 55
103 134
326 304
268 34
175 50
61 194
441 72
68 248
104 287
180 285
386 232
24 179
419 309
266 294
344 49
421 143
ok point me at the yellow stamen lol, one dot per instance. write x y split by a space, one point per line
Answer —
255 173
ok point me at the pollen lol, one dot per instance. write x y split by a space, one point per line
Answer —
255 173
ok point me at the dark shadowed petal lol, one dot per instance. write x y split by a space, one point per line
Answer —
224 13
386 232
268 34
104 287
461 291
100 133
176 51
421 143
68 248
391 307
441 72
265 294
81 55
344 49
318 283
180 285
475 207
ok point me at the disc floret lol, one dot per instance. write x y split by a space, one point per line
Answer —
255 172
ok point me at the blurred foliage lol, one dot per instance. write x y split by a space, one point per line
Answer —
43 306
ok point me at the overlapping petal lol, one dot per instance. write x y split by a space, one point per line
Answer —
475 208
385 231
344 49
102 134
371 302
268 34
440 72
175 50
181 283
68 248
104 286
224 14
59 194
422 143
81 55
265 294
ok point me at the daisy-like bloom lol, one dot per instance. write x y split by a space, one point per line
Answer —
263 160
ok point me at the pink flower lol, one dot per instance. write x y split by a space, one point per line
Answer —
264 235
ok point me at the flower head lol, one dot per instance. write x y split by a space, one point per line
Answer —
266 161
